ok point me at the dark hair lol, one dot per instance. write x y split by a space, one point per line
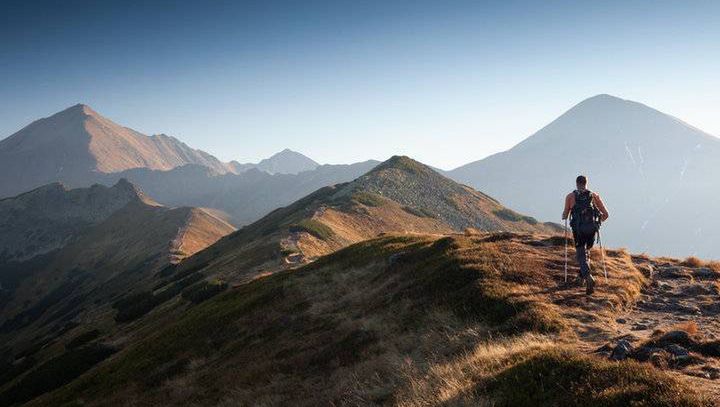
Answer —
581 180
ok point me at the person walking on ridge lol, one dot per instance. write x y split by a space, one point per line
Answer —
587 211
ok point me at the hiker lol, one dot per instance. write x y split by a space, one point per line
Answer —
586 211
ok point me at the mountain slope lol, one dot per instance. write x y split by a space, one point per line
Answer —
43 299
49 217
399 195
398 320
75 143
653 171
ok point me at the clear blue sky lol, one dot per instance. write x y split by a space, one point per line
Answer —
446 82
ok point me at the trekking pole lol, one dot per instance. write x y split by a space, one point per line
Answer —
566 245
602 255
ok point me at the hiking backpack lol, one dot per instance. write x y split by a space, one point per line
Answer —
585 217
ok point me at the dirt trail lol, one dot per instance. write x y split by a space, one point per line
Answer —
678 298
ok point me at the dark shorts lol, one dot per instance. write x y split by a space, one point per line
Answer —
584 236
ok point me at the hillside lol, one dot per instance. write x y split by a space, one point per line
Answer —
74 144
399 195
51 216
399 320
653 171
369 283
110 253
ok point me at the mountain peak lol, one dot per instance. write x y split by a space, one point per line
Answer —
403 163
131 192
286 153
78 109
604 97
287 162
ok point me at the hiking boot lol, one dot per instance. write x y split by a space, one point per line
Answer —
590 285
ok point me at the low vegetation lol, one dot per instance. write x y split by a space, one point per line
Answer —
368 199
136 305
512 216
203 291
83 339
419 212
55 373
313 227
565 377
404 320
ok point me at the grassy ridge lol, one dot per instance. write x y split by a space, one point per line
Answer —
407 309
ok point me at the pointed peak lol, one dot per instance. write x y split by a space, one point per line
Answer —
403 163
604 100
79 109
128 189
288 152
287 162
604 97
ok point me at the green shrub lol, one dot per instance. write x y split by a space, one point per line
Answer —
9 371
368 199
136 305
419 212
203 291
82 339
313 227
512 216
561 377
54 373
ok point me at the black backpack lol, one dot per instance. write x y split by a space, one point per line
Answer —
584 217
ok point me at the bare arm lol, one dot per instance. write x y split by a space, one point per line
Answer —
569 202
601 207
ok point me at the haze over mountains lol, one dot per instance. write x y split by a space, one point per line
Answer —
75 144
284 162
654 171
79 147
656 174
357 272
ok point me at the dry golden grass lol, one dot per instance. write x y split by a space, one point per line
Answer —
400 320
692 261
534 371
455 382
690 327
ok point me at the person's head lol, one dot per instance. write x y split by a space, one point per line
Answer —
581 182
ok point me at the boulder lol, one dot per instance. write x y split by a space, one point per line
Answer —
677 350
622 350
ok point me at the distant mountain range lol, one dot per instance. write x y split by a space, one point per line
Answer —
78 145
244 197
656 174
654 171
